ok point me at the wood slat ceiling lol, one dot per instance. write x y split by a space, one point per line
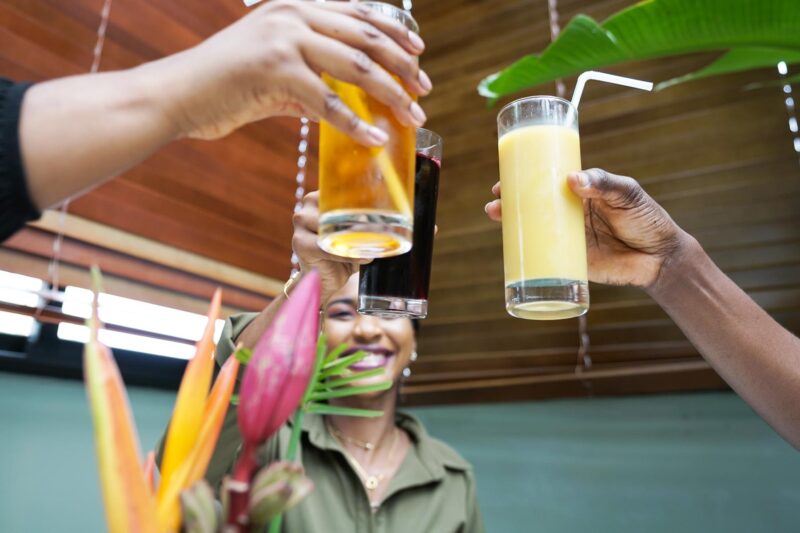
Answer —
720 159
229 200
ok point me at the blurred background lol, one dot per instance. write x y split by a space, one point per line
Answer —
613 423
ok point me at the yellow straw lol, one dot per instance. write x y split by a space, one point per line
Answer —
393 183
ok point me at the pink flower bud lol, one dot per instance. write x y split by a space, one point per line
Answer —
278 372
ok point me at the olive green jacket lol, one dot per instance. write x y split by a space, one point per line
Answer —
432 491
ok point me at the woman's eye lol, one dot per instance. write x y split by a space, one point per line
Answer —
340 314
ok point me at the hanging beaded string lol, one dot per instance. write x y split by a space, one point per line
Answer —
55 261
783 71
555 29
584 359
302 159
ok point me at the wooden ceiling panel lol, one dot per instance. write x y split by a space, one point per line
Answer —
717 157
229 200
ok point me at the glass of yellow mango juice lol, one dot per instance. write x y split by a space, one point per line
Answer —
367 194
544 241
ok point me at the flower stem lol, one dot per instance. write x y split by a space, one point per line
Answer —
291 455
238 489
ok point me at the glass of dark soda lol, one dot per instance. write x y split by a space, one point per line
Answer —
398 286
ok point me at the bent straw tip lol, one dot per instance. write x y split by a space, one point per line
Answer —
606 78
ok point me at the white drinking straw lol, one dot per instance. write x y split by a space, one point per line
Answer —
608 78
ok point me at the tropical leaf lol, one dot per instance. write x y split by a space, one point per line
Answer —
789 80
335 353
737 60
243 354
340 365
658 28
328 409
350 391
129 502
336 383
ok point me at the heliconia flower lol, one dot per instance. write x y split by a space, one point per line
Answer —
275 490
132 504
149 469
129 501
187 417
194 466
199 509
273 385
278 372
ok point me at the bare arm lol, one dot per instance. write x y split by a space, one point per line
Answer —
758 358
79 131
334 271
631 240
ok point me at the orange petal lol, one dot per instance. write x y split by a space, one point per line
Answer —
194 468
190 405
150 469
130 506
218 402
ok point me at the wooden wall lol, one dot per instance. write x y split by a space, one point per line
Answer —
718 158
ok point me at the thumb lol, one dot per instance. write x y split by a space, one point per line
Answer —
616 191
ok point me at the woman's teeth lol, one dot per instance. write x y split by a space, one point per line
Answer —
372 360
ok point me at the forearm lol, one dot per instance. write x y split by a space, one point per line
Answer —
78 131
250 336
757 356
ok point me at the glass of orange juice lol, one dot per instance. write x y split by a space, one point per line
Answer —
544 241
367 194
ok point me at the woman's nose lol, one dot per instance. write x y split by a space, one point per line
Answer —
367 328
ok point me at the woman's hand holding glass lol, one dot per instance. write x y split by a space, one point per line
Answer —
269 63
333 269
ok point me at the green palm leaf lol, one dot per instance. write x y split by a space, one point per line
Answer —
759 31
328 409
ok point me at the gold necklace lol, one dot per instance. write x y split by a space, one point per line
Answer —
371 481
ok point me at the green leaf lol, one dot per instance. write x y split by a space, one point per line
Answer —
243 354
350 391
341 364
322 345
650 29
234 399
795 78
335 353
327 409
737 60
332 384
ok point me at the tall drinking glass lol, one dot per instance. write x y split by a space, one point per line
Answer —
367 194
398 286
544 244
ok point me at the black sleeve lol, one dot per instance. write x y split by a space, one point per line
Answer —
16 206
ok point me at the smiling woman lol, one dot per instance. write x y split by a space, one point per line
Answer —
381 474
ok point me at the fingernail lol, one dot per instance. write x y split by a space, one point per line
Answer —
416 41
486 207
583 179
425 81
417 113
377 136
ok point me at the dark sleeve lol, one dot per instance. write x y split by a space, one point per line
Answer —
16 206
